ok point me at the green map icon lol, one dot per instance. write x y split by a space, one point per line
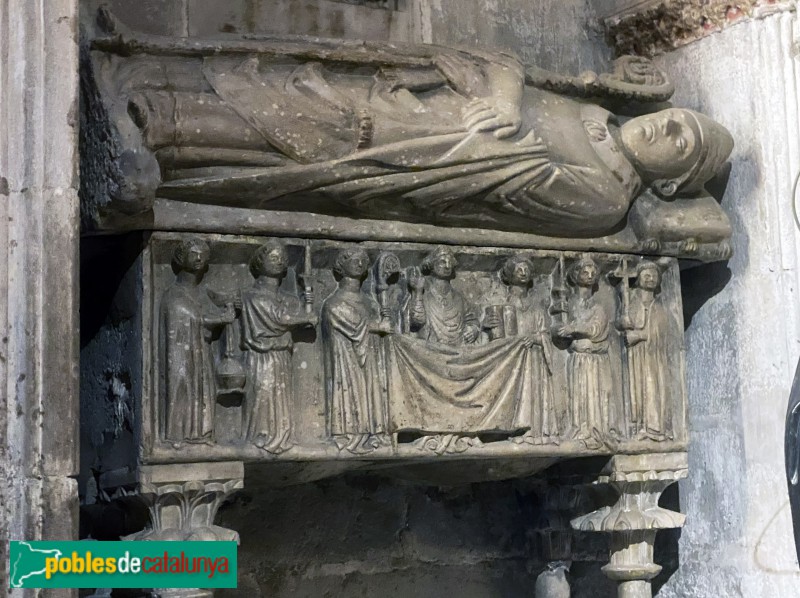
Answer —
28 562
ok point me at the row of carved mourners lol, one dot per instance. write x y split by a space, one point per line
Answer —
589 351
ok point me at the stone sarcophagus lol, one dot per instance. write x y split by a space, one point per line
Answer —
343 255
264 348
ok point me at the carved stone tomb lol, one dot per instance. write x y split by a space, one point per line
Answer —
338 255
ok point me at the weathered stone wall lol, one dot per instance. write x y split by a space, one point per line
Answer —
206 18
361 535
743 343
38 274
563 36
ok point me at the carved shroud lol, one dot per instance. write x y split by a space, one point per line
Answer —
418 161
441 388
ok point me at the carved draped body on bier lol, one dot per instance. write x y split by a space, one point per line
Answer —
417 133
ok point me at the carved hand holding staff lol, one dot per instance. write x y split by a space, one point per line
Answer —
269 315
350 326
386 266
623 274
559 292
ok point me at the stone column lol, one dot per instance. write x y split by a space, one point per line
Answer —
636 517
183 500
38 274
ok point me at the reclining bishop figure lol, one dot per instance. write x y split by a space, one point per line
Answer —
418 133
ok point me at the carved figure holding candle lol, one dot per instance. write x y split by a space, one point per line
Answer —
350 323
268 317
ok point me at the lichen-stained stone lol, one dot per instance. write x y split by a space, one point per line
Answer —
326 18
157 17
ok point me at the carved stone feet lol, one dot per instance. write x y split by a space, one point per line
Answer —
636 517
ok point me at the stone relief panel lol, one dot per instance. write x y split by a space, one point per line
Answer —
264 348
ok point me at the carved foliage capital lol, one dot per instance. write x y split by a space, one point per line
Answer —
186 510
637 507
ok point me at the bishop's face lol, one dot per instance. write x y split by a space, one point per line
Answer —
443 265
663 145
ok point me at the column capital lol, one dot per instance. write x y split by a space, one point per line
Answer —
636 517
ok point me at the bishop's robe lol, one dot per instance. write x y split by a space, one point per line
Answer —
441 316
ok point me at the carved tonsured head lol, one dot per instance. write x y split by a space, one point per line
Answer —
352 262
441 263
517 270
648 275
677 151
584 272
